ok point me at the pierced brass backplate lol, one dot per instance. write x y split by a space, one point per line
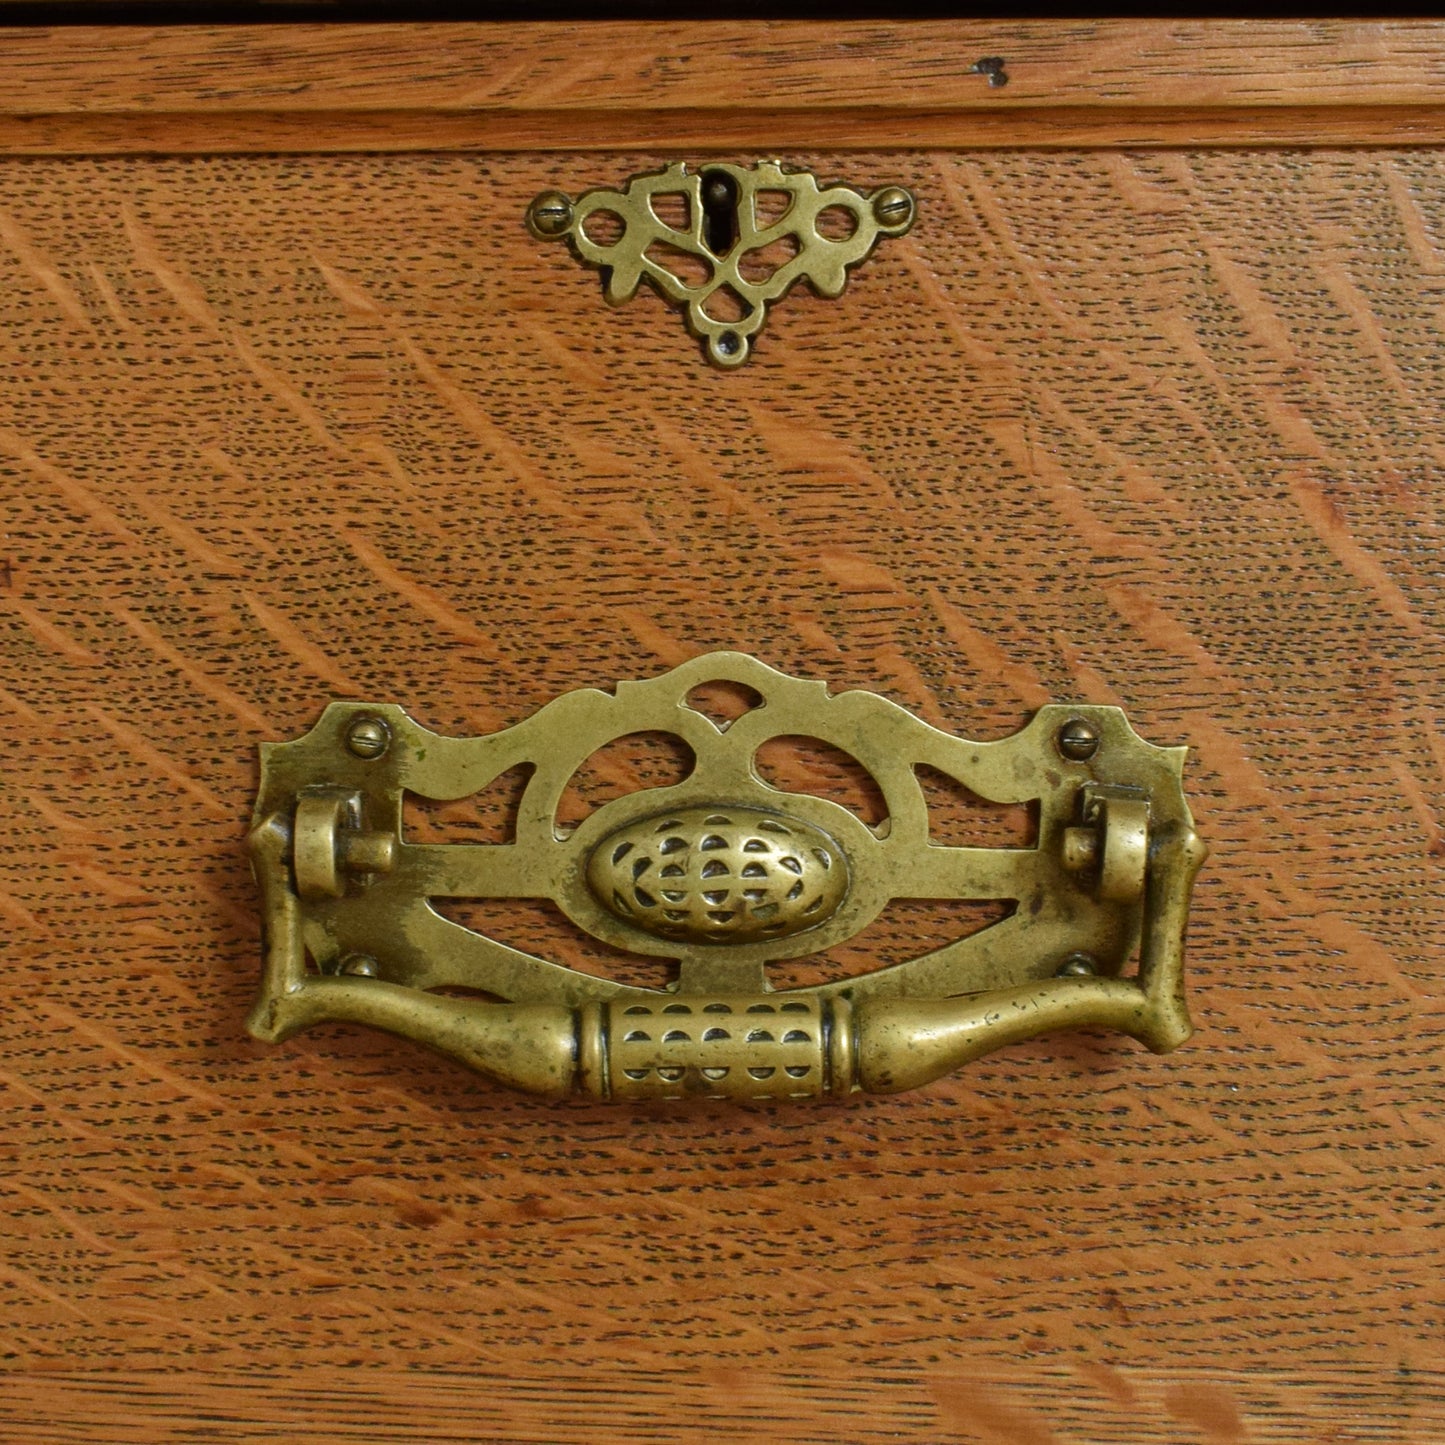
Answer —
724 242
725 876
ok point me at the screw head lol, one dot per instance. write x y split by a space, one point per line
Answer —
550 214
359 966
892 206
1077 965
368 737
1078 740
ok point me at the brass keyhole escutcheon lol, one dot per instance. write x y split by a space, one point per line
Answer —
724 242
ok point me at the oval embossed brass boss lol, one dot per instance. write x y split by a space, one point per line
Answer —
719 875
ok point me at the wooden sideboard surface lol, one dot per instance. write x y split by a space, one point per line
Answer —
1146 410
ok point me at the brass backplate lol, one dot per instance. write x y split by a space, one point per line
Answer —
723 242
723 876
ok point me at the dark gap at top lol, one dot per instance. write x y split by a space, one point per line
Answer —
254 12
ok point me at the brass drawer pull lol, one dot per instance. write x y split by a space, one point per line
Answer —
723 242
725 876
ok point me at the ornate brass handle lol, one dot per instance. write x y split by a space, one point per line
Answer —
726 876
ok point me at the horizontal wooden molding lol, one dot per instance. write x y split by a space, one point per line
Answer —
675 86
339 132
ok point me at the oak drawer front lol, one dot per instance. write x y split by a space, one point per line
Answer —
1151 426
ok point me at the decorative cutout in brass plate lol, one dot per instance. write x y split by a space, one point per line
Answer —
724 876
724 241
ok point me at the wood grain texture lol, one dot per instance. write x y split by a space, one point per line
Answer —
1155 430
681 65
1027 1405
688 132
856 84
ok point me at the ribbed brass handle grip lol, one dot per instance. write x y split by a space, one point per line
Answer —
725 875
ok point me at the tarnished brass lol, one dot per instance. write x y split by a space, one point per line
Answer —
725 876
724 242
706 876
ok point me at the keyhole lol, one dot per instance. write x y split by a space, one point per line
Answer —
719 212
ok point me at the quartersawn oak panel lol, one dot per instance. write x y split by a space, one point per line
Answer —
1158 430
1025 1405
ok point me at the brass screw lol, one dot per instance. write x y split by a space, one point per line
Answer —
550 214
368 737
1078 740
1078 965
892 206
359 966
